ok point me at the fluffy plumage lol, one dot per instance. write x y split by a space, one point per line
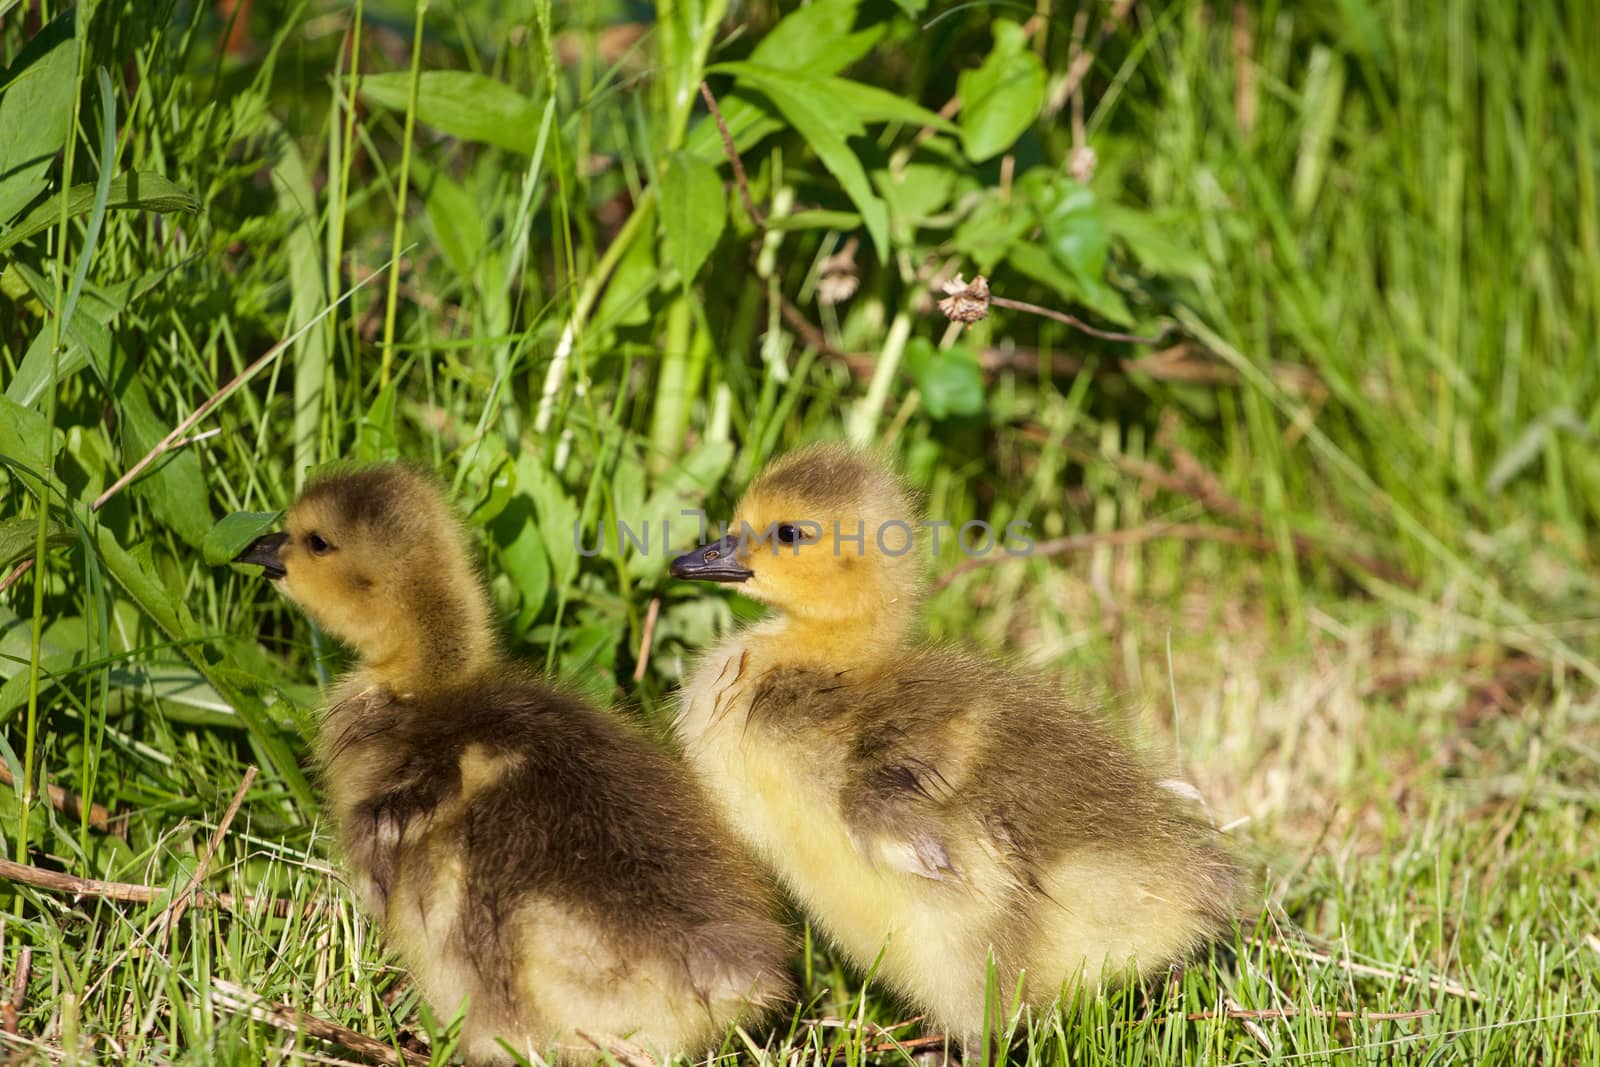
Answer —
935 806
524 851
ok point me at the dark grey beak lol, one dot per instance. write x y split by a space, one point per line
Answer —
716 562
263 552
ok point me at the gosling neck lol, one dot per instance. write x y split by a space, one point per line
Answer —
434 649
857 641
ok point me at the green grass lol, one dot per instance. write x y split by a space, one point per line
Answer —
1371 232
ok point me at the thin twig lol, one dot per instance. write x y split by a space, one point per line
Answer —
70 804
1135 535
1078 324
166 443
134 893
860 364
16 572
237 998
1251 1027
12 1011
647 638
182 901
1083 61
925 1041
1305 952
732 153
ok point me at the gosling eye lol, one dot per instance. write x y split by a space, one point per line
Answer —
317 544
788 534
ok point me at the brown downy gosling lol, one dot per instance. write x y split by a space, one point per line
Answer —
523 851
919 801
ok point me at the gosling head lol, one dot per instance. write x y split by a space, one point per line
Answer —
378 558
825 534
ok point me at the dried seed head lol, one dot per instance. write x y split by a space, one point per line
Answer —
966 303
840 276
1081 164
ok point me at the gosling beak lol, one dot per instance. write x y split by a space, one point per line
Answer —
263 552
716 562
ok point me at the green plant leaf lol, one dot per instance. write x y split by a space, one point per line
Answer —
950 381
172 616
36 111
461 104
136 191
173 487
522 556
1073 226
457 224
18 538
375 438
693 212
233 533
825 120
1001 98
818 33
871 104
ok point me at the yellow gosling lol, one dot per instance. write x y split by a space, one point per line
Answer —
528 856
921 802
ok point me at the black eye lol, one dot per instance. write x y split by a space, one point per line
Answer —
317 545
788 534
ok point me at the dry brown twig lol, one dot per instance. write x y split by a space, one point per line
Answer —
70 804
732 152
181 903
135 893
11 1011
236 998
968 302
647 638
1306 952
16 572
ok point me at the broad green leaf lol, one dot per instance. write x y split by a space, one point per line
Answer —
951 383
871 104
814 40
233 533
456 222
993 229
18 538
172 616
1073 227
1001 98
522 556
824 120
499 486
461 104
375 438
816 33
137 191
915 190
693 212
173 486
36 111
88 341
22 436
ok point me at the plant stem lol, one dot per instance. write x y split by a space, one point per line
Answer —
400 198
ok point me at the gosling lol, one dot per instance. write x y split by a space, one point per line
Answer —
527 855
934 812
